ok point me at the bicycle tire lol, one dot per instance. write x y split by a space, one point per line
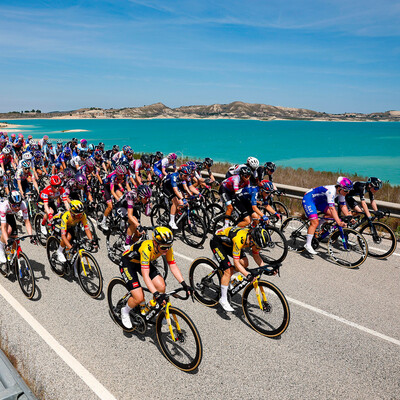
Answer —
115 242
37 223
159 215
194 232
274 318
281 208
90 277
117 296
213 211
295 231
205 283
25 275
186 351
276 249
220 221
356 244
51 249
162 267
385 245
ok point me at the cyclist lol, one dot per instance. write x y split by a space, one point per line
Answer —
68 221
8 209
100 161
160 167
76 185
38 164
230 242
139 259
251 163
64 158
322 199
59 149
51 200
23 177
7 160
79 160
372 185
142 164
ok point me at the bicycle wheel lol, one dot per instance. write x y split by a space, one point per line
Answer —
25 276
205 279
159 215
117 296
351 250
215 196
295 231
51 248
213 210
194 232
383 243
37 223
89 274
269 314
221 220
162 266
182 347
277 248
115 242
281 208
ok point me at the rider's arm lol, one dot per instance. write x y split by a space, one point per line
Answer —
177 192
192 189
4 233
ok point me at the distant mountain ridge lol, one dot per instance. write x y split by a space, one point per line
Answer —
234 110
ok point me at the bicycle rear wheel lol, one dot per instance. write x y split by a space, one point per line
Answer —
182 348
268 314
221 220
205 280
295 231
350 251
159 215
162 266
89 274
115 242
194 232
276 250
51 248
117 297
213 210
37 223
25 276
381 245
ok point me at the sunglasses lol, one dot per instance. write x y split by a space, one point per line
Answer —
15 205
164 248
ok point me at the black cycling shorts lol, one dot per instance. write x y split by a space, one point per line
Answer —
10 219
243 208
130 271
226 194
351 202
168 190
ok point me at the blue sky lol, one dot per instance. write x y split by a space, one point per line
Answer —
333 56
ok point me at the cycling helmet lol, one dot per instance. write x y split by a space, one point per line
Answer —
208 162
83 141
15 198
121 170
26 164
344 183
270 166
30 137
129 151
172 156
145 159
266 186
115 147
6 150
199 165
81 179
37 154
253 163
32 142
27 156
159 154
20 136
91 147
83 153
185 170
90 163
59 141
101 145
376 183
74 140
69 173
67 150
49 144
61 175
144 191
245 171
98 153
55 180
163 235
13 135
125 148
192 165
76 207
45 137
260 236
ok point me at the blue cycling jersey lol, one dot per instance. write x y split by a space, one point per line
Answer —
249 193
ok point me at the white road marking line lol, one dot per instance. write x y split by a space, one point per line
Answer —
326 314
375 248
72 362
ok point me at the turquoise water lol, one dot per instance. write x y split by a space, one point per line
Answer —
366 148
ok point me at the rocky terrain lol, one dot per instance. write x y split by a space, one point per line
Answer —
235 110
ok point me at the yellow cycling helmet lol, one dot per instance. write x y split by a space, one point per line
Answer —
163 235
76 207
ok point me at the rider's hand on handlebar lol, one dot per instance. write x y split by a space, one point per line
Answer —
188 288
342 224
160 298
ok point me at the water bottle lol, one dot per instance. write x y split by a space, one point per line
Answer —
8 253
144 309
236 281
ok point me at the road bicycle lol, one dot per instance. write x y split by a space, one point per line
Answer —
346 246
176 333
381 239
264 305
18 262
80 263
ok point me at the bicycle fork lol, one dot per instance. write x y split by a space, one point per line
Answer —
168 318
260 293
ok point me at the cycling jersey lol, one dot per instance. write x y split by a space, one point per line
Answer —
21 175
113 179
5 159
249 194
5 209
68 220
48 194
360 189
234 183
234 238
137 166
235 170
37 163
160 164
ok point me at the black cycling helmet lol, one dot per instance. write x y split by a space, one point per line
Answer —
115 147
376 183
101 145
74 140
260 236
245 171
270 166
208 162
145 159
159 154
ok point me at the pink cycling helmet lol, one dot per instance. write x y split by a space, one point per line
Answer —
45 137
83 141
172 156
13 135
20 135
344 183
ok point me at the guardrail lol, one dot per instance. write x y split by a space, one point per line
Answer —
295 192
11 384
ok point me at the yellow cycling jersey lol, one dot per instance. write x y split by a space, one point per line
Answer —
68 220
235 238
144 253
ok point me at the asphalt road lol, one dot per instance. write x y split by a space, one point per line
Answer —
343 340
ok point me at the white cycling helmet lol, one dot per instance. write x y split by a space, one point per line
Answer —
6 150
27 156
253 163
1 172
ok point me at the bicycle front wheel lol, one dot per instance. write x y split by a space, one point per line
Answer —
349 250
180 342
276 249
205 279
162 266
159 215
295 231
25 276
382 242
37 223
266 308
115 241
89 274
51 248
194 231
